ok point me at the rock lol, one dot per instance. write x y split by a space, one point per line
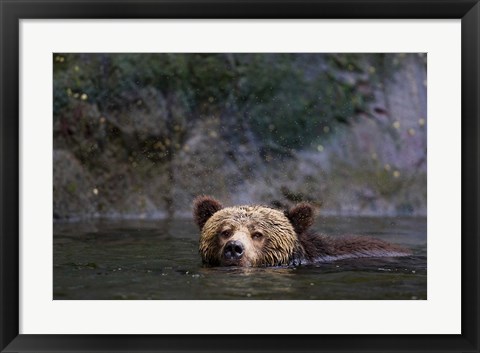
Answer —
73 188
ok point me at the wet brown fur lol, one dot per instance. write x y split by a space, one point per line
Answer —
285 239
279 243
320 248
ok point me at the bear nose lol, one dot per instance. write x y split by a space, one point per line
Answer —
233 250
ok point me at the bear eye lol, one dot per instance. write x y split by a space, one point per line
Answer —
257 235
225 233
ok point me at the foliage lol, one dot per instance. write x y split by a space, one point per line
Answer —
287 100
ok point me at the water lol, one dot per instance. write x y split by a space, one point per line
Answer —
160 260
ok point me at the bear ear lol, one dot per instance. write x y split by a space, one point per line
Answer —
301 216
203 208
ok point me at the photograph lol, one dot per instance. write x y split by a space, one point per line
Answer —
311 165
240 176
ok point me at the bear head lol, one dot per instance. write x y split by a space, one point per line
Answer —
250 235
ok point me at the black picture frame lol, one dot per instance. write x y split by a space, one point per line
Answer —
12 11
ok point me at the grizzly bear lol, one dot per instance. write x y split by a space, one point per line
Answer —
263 236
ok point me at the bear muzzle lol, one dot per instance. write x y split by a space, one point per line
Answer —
233 251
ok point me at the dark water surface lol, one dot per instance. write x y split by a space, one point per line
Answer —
159 260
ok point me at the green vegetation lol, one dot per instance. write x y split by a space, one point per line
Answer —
285 99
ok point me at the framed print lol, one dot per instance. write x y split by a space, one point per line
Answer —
179 176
